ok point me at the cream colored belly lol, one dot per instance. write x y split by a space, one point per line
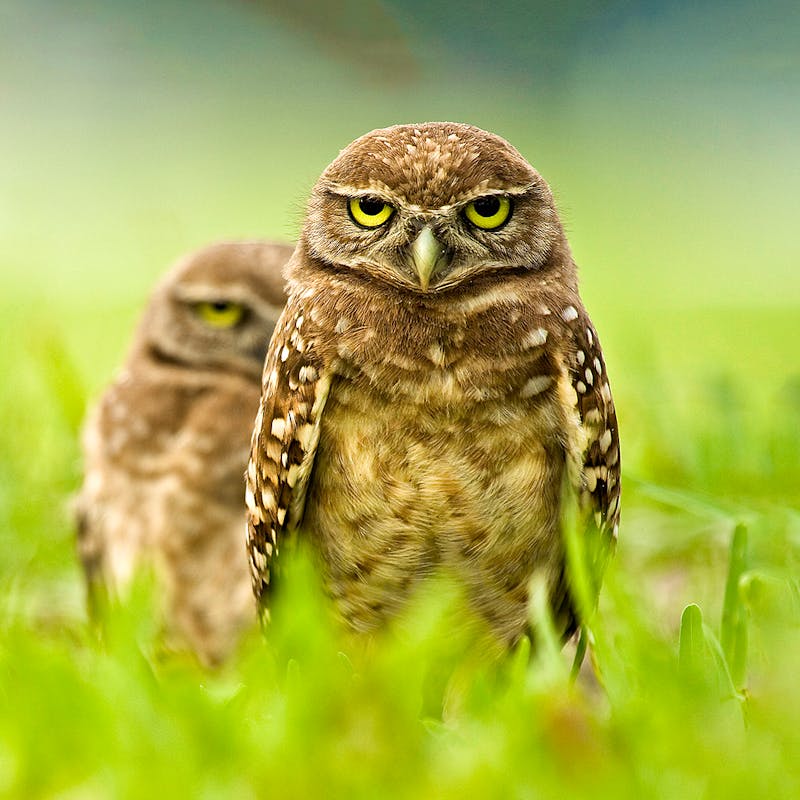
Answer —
399 492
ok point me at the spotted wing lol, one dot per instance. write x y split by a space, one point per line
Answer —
600 490
294 389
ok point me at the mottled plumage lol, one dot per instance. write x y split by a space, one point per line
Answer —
166 446
433 384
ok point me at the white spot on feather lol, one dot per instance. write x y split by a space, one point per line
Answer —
536 385
569 313
593 417
536 338
268 499
259 560
278 428
436 354
250 500
307 373
494 295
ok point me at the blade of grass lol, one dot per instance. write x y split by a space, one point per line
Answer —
583 583
547 641
733 627
692 641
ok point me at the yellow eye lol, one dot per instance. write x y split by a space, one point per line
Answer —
489 212
220 314
369 212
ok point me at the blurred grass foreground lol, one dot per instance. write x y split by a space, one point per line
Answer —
134 132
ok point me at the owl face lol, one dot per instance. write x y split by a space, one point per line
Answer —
217 308
427 207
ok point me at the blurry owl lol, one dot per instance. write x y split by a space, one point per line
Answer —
435 393
166 447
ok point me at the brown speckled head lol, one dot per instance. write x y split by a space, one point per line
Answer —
186 323
431 165
428 175
248 270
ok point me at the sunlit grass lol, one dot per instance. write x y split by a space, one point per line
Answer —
693 703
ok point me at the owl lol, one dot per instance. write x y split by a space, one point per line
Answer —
435 392
166 447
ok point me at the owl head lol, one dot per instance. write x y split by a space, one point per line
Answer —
217 308
427 207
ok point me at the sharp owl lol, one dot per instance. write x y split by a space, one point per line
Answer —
435 391
166 446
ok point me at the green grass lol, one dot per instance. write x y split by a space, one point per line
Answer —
695 703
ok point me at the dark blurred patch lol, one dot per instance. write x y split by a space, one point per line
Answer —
533 43
537 44
363 34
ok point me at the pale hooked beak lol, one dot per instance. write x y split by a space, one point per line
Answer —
427 253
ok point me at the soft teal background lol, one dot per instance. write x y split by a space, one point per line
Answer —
132 131
669 132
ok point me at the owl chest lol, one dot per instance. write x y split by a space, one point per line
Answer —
400 490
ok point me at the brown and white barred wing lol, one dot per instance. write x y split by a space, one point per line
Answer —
285 437
600 492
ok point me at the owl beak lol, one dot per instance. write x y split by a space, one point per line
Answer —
427 253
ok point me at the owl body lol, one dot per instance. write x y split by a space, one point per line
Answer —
166 446
423 405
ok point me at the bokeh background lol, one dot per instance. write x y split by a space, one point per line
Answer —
670 132
131 132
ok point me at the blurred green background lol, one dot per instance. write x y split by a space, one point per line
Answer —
131 132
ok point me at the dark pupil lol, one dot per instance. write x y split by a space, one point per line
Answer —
371 206
487 206
220 306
